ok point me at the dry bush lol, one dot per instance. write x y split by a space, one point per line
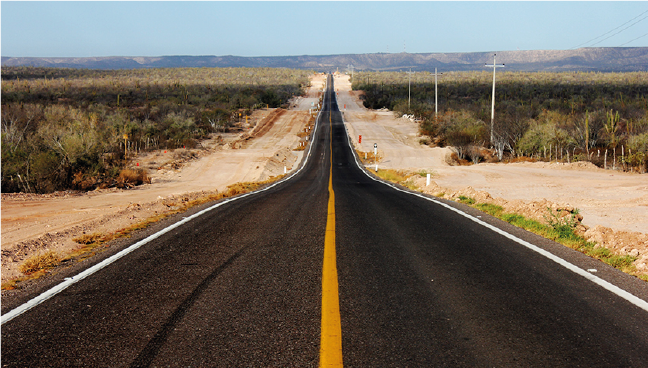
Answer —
240 188
399 177
184 154
84 183
39 262
130 177
89 238
369 157
454 160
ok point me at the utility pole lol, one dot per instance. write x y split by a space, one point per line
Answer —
494 66
350 66
409 91
436 102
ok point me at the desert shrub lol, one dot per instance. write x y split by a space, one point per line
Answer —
46 174
397 176
588 110
542 137
64 128
475 154
460 140
180 129
638 143
89 238
129 177
39 262
271 98
428 128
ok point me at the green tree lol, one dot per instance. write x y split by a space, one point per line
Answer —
611 129
541 137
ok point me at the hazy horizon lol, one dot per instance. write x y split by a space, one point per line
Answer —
311 55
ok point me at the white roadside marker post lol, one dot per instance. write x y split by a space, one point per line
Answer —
427 183
376 155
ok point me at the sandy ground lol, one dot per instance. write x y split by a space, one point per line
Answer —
614 205
38 223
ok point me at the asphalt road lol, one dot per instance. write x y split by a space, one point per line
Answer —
419 285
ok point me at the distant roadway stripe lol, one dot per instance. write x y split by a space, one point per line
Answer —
331 334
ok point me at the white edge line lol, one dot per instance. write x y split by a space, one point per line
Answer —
80 276
579 271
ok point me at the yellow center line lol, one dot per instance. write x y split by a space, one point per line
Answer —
331 334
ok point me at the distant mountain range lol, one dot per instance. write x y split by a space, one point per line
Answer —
602 59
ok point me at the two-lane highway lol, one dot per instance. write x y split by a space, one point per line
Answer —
419 285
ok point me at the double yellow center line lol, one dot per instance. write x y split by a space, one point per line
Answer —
331 333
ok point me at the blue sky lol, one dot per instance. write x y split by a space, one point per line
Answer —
123 28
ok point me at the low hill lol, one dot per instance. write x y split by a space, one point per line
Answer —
603 59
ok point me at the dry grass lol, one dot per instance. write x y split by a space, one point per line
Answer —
11 284
397 176
88 238
369 157
15 283
38 262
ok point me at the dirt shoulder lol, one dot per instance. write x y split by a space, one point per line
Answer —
38 223
614 205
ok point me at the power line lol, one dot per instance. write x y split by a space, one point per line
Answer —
620 31
612 30
633 40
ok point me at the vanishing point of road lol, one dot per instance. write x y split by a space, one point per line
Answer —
327 268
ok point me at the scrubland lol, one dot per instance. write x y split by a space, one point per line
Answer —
76 129
569 116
